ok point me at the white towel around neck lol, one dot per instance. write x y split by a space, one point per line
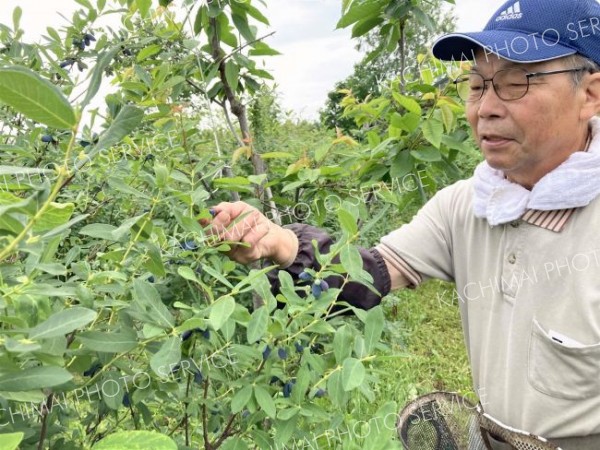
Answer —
573 184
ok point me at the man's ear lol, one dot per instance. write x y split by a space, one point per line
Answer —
591 105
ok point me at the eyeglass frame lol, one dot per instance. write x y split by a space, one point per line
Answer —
528 76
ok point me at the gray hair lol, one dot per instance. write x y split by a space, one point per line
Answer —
578 60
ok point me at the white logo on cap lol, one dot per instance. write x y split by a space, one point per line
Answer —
512 13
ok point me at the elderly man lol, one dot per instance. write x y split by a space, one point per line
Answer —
520 238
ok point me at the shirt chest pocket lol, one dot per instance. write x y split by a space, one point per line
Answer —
570 372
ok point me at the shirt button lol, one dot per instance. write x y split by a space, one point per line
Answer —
512 258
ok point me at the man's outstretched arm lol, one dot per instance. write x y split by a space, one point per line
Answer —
292 249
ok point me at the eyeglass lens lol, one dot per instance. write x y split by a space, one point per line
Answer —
509 84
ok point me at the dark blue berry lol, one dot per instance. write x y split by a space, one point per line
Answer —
186 335
245 413
212 212
266 352
188 245
320 393
151 279
305 276
324 285
198 378
274 380
47 138
316 290
287 388
66 63
282 353
317 348
92 370
206 334
84 143
126 400
89 37
299 347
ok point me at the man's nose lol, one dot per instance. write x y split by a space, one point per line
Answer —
489 104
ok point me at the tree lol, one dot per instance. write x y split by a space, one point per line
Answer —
386 57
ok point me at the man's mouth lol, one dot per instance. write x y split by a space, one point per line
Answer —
494 140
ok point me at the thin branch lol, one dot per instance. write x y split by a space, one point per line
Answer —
44 430
207 445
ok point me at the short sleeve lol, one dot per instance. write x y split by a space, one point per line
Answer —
422 249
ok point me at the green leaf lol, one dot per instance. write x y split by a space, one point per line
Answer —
148 300
215 273
34 378
447 117
428 154
359 11
262 49
56 215
36 98
351 261
364 26
187 273
257 326
136 440
335 390
353 374
374 324
433 130
147 52
265 401
200 17
126 121
402 165
411 105
10 441
122 341
112 390
17 14
99 231
220 311
98 74
342 343
241 399
144 7
241 23
232 74
348 222
62 322
169 355
234 443
255 13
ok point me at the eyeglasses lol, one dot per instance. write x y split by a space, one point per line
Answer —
509 84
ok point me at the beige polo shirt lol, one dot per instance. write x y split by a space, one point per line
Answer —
530 306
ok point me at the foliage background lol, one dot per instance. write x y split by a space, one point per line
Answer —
107 278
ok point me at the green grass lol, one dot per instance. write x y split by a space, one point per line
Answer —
426 326
426 341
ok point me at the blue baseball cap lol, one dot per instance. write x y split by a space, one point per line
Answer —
530 31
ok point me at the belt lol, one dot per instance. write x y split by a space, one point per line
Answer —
591 442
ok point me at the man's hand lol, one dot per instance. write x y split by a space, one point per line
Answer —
240 222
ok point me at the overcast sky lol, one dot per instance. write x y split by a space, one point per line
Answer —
315 55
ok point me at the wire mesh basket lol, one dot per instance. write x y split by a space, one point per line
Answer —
448 421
